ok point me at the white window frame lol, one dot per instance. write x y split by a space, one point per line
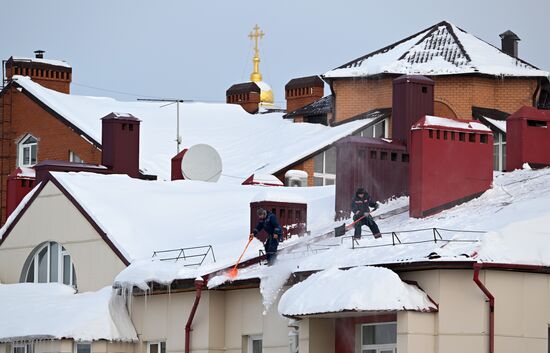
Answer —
75 345
501 145
378 348
375 128
252 338
22 146
61 252
324 175
75 158
159 343
27 346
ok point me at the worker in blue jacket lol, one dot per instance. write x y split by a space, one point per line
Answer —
268 222
361 206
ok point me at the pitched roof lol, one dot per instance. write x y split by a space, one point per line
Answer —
319 107
277 143
442 49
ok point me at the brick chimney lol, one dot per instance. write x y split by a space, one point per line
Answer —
413 98
53 74
247 95
302 91
120 143
509 43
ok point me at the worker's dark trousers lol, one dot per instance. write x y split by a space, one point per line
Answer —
367 221
270 247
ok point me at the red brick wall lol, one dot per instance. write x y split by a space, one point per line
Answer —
457 93
298 100
21 115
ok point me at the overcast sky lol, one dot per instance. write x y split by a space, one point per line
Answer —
197 49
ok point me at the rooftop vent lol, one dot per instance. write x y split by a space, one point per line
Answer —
509 43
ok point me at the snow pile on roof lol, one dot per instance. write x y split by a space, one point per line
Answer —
43 61
357 289
275 142
438 122
55 311
442 49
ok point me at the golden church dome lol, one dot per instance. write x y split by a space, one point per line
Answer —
266 94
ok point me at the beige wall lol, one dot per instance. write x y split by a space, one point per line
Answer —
222 323
67 346
316 336
522 311
52 217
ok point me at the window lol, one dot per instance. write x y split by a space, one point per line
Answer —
499 151
254 344
27 151
48 263
324 168
156 347
378 338
73 157
472 137
82 347
22 348
378 130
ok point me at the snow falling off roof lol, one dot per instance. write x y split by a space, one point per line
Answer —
442 49
357 289
435 121
31 310
275 142
43 61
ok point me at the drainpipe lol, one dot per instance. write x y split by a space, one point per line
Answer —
491 299
199 284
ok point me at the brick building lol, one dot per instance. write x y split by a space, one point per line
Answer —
29 131
472 78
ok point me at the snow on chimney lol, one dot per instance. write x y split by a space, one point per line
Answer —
120 143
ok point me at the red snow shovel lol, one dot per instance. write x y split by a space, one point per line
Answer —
341 230
234 272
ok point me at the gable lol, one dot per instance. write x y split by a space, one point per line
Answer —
51 216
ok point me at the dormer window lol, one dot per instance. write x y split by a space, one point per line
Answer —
27 151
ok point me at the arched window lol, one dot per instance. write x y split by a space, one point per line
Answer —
49 262
27 151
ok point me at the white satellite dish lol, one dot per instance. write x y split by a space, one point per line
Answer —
201 162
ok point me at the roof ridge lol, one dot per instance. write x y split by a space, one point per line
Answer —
388 47
499 49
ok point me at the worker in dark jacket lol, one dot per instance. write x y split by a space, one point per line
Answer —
268 222
361 206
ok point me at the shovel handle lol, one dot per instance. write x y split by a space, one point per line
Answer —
240 257
357 220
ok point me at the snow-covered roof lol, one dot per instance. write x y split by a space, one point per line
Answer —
276 142
362 288
438 122
140 217
499 124
54 311
442 49
43 61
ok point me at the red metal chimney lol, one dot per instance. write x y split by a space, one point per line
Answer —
120 143
413 98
